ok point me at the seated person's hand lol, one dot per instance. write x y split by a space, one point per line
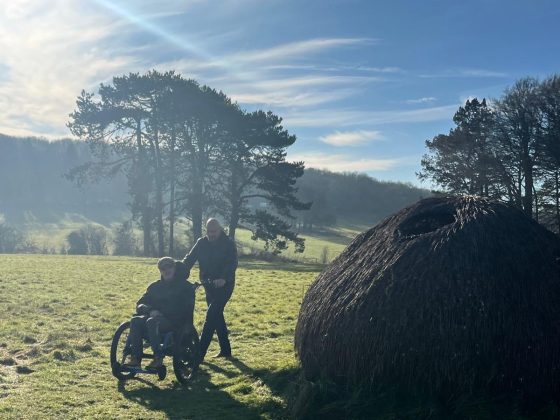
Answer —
142 309
219 283
155 313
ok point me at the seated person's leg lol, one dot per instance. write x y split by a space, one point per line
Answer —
157 326
137 327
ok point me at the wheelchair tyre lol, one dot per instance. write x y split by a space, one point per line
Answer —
117 351
185 359
162 373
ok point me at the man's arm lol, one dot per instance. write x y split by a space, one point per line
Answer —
231 261
144 304
192 256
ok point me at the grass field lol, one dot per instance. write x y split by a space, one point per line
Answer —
59 315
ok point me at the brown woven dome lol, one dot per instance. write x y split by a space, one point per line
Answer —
458 292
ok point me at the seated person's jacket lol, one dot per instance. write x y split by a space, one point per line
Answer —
173 298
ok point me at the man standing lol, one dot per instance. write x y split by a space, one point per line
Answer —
217 260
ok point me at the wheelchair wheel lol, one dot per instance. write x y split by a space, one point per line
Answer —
162 373
118 352
185 359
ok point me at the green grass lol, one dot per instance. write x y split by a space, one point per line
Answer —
59 314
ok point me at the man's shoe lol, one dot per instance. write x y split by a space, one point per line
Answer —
156 363
132 361
222 354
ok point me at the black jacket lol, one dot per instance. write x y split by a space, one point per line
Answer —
216 260
173 298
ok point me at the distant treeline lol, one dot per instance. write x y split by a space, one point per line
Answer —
34 189
506 149
341 198
33 186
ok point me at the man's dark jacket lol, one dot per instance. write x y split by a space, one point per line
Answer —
216 260
173 298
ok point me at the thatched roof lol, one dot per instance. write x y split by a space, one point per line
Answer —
457 292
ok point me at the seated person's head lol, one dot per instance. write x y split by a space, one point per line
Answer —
166 267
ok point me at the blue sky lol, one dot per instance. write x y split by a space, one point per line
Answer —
361 83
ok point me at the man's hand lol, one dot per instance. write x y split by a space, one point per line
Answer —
142 309
219 283
155 313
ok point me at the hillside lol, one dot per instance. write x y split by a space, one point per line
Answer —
33 188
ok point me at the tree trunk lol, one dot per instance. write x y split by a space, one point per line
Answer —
528 176
159 196
234 220
536 204
236 201
172 196
145 216
196 213
196 204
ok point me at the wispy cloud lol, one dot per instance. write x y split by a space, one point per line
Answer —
424 100
465 73
345 162
348 117
289 97
339 68
351 138
293 92
298 49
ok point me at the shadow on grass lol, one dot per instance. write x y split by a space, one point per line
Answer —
199 400
280 383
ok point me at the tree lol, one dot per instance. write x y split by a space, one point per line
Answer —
12 240
519 131
198 134
173 138
77 244
549 104
257 174
465 160
115 128
89 240
124 240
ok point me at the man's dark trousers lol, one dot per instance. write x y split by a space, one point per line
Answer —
152 327
215 321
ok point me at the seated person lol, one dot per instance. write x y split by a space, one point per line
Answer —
167 305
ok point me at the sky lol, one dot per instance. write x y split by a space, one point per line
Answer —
362 84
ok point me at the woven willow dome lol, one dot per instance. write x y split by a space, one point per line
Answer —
458 292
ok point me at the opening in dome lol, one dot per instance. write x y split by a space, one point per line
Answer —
427 221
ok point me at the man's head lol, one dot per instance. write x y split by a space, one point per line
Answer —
213 229
166 267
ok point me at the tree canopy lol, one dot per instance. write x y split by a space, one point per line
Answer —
188 149
506 149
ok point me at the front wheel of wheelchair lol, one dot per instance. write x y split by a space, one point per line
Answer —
118 352
162 373
185 359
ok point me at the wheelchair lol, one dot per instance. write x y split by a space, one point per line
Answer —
183 350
